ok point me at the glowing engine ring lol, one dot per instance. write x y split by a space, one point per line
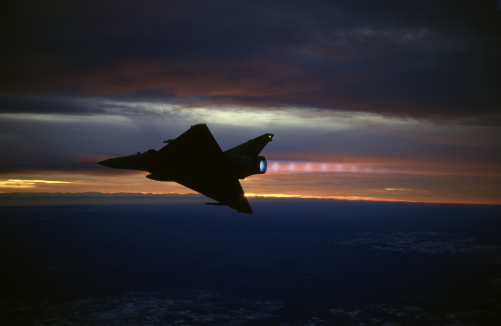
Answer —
263 166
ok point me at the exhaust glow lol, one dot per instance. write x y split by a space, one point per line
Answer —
320 167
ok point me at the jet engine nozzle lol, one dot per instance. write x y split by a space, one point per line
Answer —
259 165
263 165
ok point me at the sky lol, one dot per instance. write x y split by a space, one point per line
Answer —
374 100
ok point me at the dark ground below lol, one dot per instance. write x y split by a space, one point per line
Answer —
294 262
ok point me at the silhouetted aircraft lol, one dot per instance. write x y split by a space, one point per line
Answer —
196 161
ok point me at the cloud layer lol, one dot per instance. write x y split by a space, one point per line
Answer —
423 59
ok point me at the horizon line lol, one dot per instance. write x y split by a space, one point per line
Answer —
248 195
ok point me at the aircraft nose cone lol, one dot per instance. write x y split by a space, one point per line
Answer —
109 163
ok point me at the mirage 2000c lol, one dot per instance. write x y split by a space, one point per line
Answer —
196 161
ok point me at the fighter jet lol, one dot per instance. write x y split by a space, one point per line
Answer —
196 161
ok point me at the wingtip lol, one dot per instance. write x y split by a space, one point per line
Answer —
242 205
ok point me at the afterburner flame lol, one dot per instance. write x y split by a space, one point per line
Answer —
322 167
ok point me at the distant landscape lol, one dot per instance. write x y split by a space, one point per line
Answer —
130 259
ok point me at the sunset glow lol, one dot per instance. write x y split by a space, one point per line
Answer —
16 183
328 197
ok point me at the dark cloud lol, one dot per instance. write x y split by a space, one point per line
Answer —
422 59
46 105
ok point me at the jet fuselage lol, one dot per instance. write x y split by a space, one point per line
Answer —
195 160
239 166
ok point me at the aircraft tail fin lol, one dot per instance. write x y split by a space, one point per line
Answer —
251 148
